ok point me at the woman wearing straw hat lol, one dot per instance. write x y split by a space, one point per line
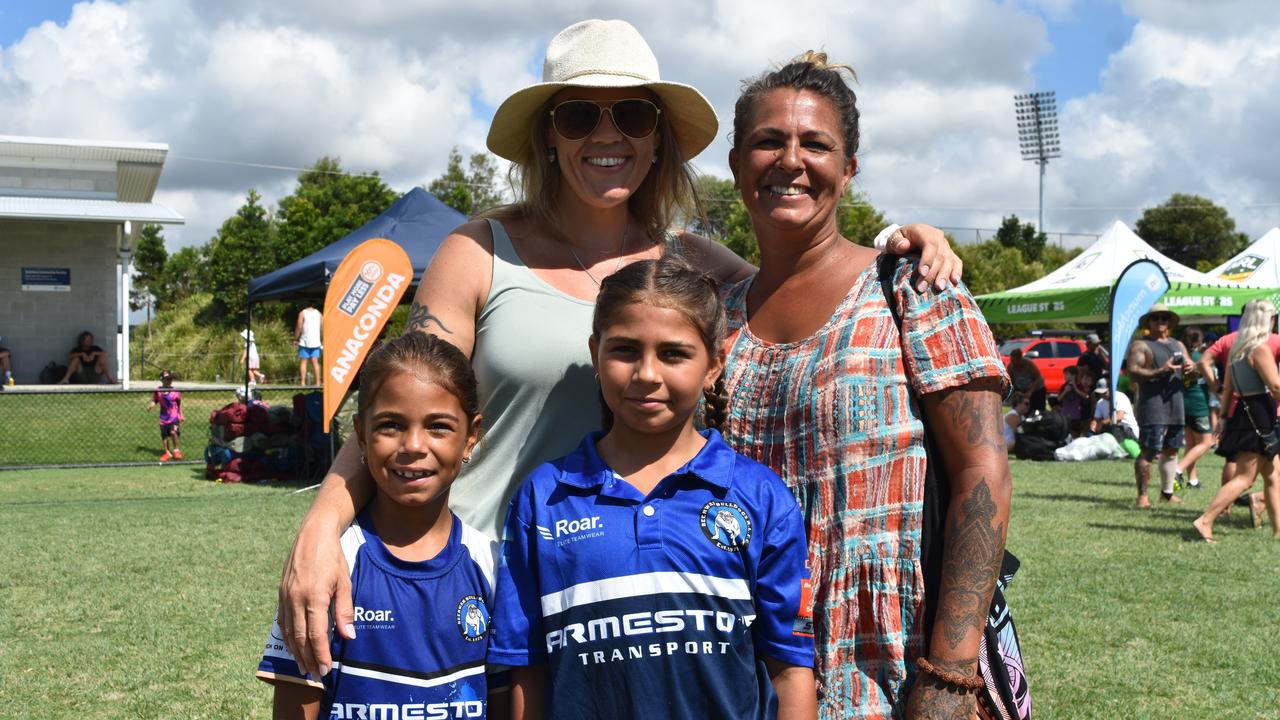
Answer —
600 149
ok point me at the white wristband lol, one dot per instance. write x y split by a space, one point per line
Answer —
882 240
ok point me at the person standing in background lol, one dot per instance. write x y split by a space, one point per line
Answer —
249 355
1157 364
1027 379
306 335
1195 404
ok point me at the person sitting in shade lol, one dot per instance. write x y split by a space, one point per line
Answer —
87 363
6 367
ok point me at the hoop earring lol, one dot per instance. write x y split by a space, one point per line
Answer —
466 459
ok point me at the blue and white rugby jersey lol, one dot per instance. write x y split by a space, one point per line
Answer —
657 607
421 632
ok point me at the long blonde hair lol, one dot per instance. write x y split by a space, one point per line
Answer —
666 192
1256 324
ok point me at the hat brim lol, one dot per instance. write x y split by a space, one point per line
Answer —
1142 322
692 119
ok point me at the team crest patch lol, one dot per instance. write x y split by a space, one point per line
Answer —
473 618
726 525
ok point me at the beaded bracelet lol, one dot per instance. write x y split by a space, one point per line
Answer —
969 684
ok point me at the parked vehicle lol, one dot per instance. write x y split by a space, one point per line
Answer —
1050 354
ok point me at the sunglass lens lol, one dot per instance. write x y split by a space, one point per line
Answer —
635 118
575 119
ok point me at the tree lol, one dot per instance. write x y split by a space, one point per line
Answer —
244 248
182 276
327 205
1192 230
1021 237
992 266
149 257
468 191
858 220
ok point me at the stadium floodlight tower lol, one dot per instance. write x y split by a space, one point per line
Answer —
1038 133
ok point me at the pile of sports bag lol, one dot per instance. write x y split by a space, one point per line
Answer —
253 442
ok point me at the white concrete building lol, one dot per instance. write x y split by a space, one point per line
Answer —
69 213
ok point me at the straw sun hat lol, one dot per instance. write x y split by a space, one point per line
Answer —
603 54
1159 309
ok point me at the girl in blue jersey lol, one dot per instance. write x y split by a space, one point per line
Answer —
654 572
422 580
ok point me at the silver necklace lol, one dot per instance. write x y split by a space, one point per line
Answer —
622 247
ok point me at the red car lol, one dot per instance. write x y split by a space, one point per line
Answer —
1050 354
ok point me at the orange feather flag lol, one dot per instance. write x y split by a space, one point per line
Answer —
363 291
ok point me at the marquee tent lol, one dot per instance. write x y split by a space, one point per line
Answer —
1080 291
417 222
1258 264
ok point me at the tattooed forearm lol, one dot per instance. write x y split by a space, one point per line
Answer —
970 565
977 416
420 318
933 699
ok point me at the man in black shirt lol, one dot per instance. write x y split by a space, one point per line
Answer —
1095 358
87 363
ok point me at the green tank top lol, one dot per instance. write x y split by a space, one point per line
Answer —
537 387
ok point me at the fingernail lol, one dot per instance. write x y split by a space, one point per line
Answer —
324 670
351 631
942 283
922 286
904 244
923 270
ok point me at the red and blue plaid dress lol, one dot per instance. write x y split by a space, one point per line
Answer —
832 414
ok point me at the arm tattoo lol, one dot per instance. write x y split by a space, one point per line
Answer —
420 317
977 416
970 565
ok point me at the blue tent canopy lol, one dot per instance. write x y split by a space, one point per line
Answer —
417 222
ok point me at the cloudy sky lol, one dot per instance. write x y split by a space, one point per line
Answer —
1155 96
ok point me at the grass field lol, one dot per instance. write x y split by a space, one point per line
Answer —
147 593
104 427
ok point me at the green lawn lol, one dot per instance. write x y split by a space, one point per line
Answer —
147 593
104 427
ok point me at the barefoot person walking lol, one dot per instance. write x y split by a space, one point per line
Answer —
1254 381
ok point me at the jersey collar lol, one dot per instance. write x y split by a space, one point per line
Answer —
713 463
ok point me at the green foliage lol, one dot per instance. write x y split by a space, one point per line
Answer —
326 206
726 219
1022 237
180 339
149 257
468 191
244 248
858 220
1192 230
183 276
992 266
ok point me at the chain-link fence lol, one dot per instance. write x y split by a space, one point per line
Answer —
111 426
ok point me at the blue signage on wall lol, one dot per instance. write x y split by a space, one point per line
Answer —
42 279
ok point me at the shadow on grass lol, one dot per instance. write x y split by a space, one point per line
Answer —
1071 497
1150 530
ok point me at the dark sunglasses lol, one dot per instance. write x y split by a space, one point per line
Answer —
576 119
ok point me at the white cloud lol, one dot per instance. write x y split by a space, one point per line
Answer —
1187 105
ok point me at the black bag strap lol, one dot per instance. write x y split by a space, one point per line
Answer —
937 492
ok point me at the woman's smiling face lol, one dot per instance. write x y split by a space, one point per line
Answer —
606 167
790 164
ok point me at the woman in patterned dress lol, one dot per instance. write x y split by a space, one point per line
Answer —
828 393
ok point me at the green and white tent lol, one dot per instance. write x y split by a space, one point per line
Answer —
1080 291
1258 264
